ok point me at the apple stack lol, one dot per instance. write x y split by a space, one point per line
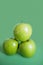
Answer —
22 33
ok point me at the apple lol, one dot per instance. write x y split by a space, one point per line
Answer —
27 48
10 46
23 31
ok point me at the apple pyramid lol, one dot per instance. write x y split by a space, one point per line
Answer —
22 33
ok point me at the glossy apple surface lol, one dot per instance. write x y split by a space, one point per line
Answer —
27 49
23 31
10 46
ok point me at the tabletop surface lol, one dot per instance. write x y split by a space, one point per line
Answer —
13 12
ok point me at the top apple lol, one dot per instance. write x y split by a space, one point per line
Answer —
23 31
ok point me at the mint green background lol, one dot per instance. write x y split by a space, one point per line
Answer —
13 12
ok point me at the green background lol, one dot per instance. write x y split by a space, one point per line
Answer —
13 12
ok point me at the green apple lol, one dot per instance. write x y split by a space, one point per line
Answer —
27 48
23 31
10 46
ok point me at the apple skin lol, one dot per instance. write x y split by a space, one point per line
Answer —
27 48
23 31
10 46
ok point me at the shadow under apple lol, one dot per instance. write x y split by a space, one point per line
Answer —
1 48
